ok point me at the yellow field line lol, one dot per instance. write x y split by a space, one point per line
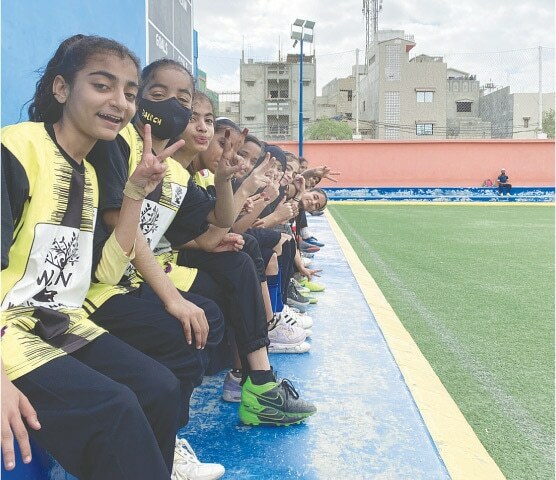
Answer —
463 454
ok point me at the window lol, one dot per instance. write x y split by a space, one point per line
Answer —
456 87
424 97
463 106
350 95
526 122
423 129
278 89
392 115
278 125
250 83
349 116
363 105
250 117
306 83
392 71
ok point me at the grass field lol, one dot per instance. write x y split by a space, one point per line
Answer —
474 285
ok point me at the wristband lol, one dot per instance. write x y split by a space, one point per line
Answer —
133 191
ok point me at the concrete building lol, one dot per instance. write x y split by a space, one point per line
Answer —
399 97
463 92
339 94
269 96
229 106
514 115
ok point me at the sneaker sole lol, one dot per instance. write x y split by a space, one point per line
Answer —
302 347
301 306
248 417
232 397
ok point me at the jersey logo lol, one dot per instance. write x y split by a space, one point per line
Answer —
63 253
149 219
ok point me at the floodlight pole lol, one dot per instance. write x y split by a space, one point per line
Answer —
301 97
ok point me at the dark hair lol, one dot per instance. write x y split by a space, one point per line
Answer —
291 156
222 123
152 67
303 159
253 139
71 56
203 96
323 193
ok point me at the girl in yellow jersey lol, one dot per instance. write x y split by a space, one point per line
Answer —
63 376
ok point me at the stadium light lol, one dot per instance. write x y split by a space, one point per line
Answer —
302 31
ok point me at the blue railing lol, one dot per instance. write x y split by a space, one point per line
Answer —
441 194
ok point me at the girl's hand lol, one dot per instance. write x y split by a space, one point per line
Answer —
299 184
258 178
248 206
284 211
15 408
230 162
232 242
151 168
272 191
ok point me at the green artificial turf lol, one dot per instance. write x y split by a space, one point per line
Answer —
474 285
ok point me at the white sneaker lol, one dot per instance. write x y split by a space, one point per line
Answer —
303 347
188 467
284 335
289 315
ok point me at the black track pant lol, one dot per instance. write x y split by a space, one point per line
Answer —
235 274
107 411
139 319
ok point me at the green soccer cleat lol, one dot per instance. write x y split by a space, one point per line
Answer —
273 404
312 286
312 300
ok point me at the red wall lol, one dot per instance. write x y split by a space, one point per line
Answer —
453 163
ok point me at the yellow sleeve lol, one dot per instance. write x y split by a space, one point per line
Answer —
113 262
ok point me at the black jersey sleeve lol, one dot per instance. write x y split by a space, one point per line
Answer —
111 162
191 218
15 192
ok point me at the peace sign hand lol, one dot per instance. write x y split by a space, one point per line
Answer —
151 168
258 178
230 162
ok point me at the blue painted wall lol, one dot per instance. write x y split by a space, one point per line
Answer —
33 29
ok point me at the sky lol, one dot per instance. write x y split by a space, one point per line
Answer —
497 40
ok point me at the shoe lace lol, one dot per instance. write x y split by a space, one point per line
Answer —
289 388
185 452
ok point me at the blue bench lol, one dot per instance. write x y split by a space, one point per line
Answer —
42 467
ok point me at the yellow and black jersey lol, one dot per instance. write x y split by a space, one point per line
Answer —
49 206
205 179
172 215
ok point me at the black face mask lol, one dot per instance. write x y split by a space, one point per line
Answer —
167 118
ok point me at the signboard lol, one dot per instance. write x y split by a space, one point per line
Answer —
170 31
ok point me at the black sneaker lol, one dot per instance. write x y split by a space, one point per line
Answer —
295 299
273 404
